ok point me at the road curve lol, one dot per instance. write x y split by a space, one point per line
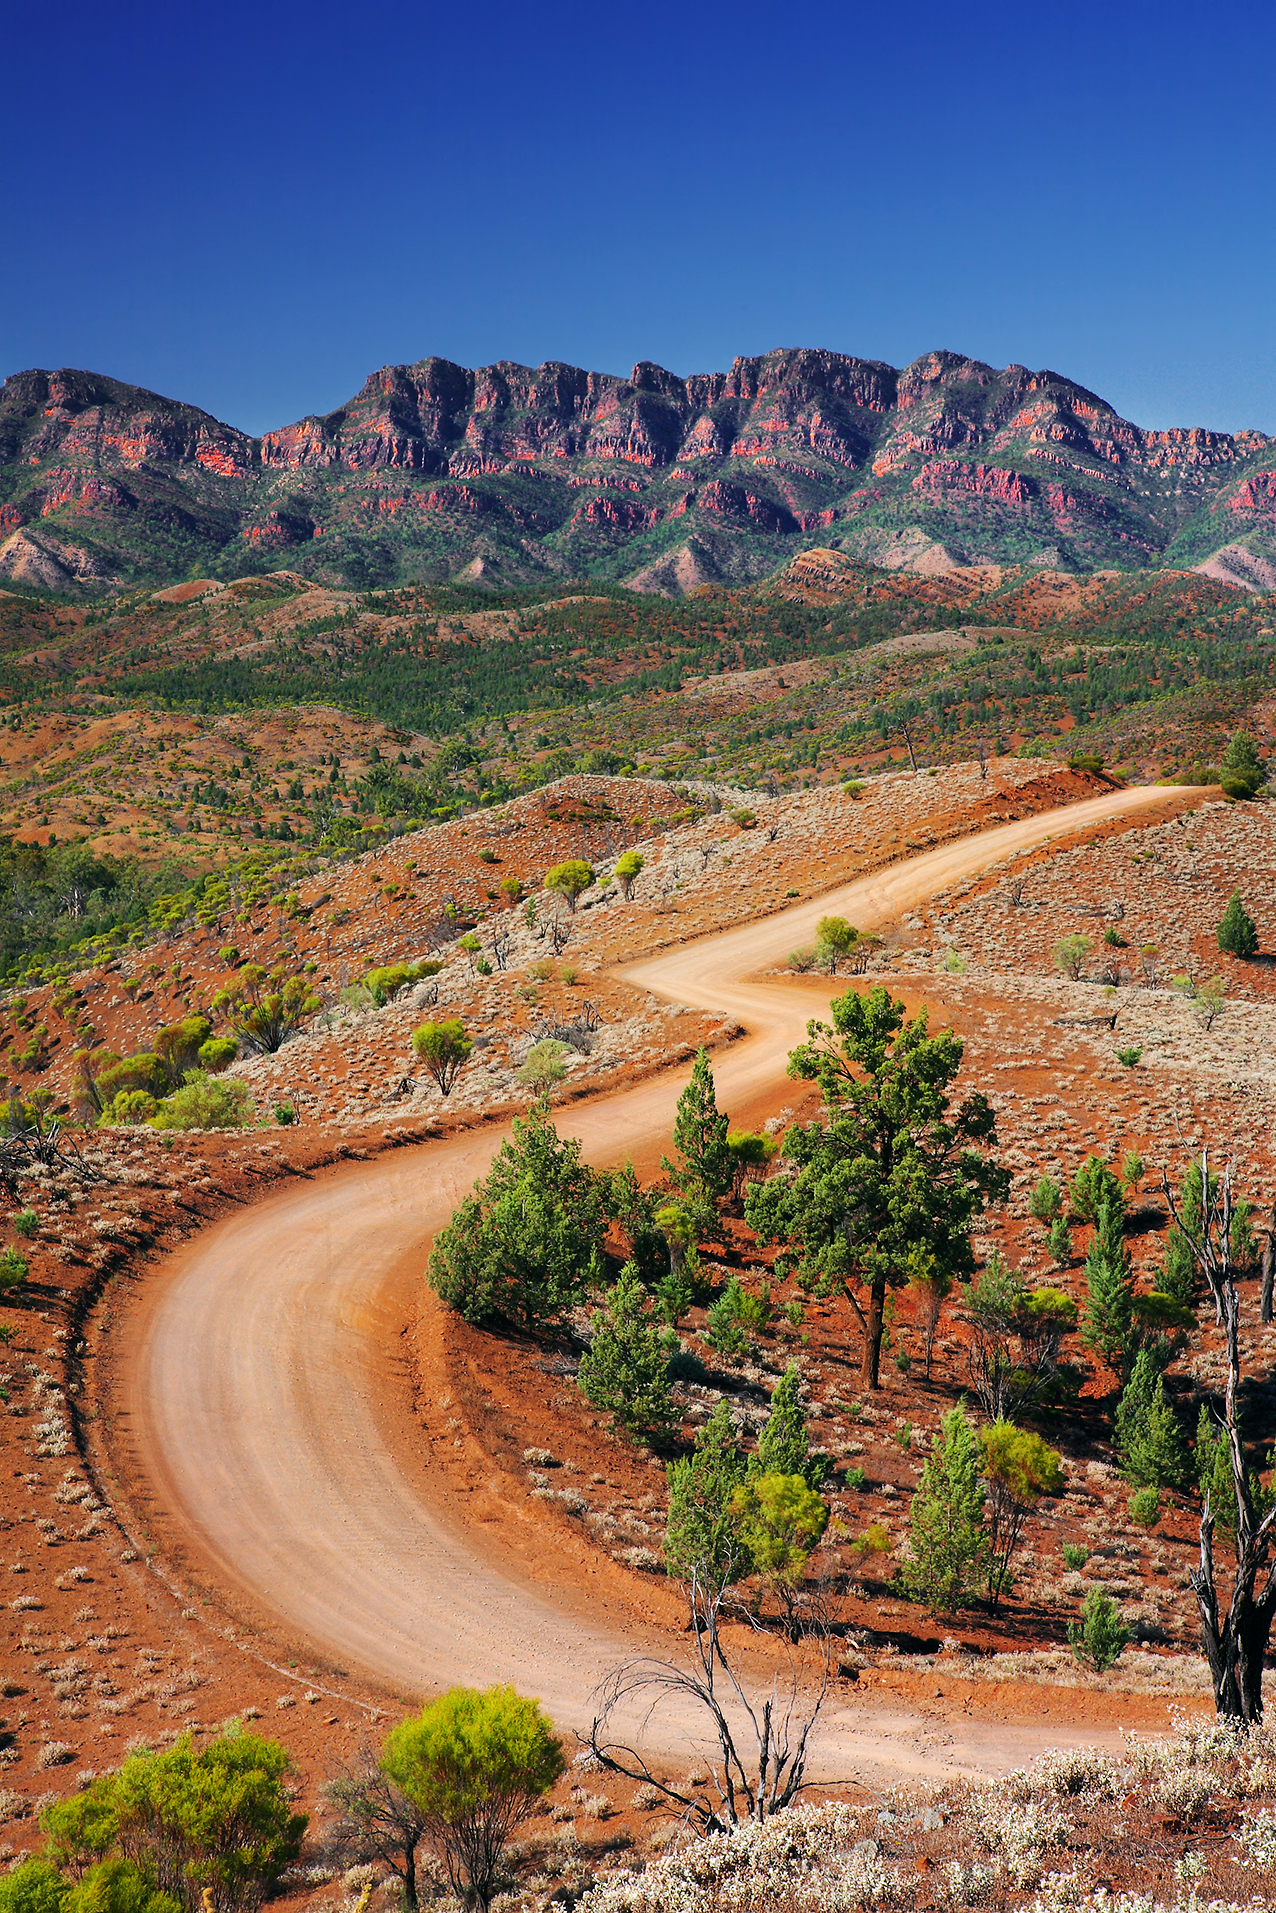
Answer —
265 1394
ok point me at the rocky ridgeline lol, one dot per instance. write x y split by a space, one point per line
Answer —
510 472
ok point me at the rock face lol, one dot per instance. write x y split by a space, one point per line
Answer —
510 473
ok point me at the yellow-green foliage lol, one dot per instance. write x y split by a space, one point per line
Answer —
475 1765
387 981
781 1521
206 1102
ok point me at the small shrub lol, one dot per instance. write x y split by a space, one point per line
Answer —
205 1102
14 1269
1128 1057
26 1222
801 960
1237 932
743 819
544 1065
1070 954
955 963
1145 1507
874 1540
567 974
854 1477
217 1054
1099 1639
444 1048
487 856
228 954
285 1114
628 868
569 879
1074 1556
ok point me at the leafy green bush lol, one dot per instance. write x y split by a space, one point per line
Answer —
127 1109
1128 1057
285 1115
780 1520
206 1102
264 1008
854 1477
385 982
218 1821
569 879
1099 1640
14 1270
444 1048
475 1766
544 1066
217 1054
26 1222
628 869
1070 954
1074 1556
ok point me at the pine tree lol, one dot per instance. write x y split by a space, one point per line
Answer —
784 1447
1110 1285
700 1530
1238 932
1148 1436
707 1167
626 1367
948 1541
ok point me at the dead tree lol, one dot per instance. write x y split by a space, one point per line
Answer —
1234 1641
376 1822
762 1744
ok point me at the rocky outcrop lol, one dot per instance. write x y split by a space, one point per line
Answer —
552 470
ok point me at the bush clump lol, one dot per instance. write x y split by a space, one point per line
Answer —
206 1102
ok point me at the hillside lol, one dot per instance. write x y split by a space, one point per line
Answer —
510 475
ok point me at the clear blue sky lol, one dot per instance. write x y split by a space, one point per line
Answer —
251 206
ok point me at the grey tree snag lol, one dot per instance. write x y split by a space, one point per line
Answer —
1234 1640
1266 1269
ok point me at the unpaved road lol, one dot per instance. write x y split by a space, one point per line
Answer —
266 1391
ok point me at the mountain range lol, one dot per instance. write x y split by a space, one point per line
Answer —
512 476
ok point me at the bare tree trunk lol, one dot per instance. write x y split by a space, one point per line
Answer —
1235 1642
1267 1269
912 758
871 1363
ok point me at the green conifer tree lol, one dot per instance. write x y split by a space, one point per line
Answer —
700 1531
625 1370
1148 1436
1110 1287
784 1446
706 1167
949 1545
1238 932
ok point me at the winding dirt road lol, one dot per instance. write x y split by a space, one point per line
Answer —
267 1397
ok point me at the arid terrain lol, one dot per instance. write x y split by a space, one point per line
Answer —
258 1470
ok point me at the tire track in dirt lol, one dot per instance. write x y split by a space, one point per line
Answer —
265 1399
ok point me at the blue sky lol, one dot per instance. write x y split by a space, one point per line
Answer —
253 206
